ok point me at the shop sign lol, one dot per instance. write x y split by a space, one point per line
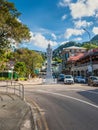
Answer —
89 68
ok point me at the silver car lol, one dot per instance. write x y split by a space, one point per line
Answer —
80 79
68 79
93 81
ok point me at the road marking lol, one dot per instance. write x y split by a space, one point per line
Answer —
92 92
40 120
89 91
57 94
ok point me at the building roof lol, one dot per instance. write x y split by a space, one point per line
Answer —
74 47
83 55
75 58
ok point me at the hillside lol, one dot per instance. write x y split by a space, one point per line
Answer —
94 41
60 48
95 38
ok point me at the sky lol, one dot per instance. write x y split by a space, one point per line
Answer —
58 21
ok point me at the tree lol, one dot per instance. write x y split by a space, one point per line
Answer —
10 27
89 46
57 59
3 60
32 59
20 68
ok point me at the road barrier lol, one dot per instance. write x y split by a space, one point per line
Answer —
13 88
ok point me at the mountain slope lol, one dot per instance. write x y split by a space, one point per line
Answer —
65 45
95 38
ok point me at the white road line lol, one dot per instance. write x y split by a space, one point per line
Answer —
69 89
89 91
92 92
66 96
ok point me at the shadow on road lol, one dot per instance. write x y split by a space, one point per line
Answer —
92 95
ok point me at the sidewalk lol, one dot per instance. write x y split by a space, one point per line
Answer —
35 81
15 114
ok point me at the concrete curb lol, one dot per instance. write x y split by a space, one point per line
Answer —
15 114
28 121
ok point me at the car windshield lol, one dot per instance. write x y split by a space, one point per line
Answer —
61 75
79 77
95 78
68 76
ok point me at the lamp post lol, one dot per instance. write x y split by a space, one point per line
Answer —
90 68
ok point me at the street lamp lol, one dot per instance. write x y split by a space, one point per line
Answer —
90 68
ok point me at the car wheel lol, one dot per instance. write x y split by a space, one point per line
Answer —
88 84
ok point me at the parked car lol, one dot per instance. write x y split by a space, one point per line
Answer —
93 81
68 79
61 77
80 79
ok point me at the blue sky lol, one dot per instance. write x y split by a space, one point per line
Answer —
58 21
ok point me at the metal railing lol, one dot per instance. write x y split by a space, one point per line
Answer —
13 88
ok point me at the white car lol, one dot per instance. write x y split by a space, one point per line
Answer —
68 79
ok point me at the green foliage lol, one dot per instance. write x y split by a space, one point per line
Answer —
3 60
10 27
20 68
95 39
57 59
22 79
89 46
31 59
4 78
56 52
43 56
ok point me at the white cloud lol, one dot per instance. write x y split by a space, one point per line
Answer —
83 8
84 23
64 42
53 36
64 17
78 39
44 31
39 40
95 30
64 3
73 32
96 15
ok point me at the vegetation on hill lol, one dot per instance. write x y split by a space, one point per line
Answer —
93 43
89 45
95 39
56 52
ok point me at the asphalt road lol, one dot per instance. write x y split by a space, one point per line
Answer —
64 107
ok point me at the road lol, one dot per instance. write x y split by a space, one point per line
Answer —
64 107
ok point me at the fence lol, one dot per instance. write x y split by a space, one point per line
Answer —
13 88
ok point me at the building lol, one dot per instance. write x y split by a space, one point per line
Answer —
84 64
67 53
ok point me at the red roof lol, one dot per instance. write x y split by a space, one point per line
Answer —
81 55
75 58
